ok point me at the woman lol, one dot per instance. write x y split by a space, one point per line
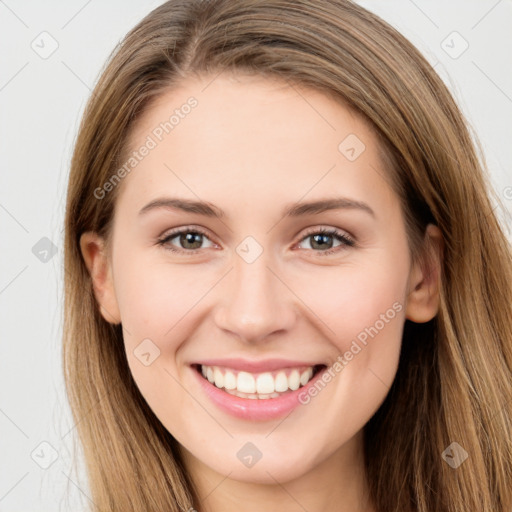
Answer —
338 336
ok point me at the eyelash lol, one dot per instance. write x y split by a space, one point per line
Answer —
338 235
335 233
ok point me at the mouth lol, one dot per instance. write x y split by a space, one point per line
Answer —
257 390
268 385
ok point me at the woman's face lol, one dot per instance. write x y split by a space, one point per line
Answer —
258 291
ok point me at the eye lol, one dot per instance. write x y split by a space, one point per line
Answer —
189 240
322 240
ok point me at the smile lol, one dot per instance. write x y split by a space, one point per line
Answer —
262 386
256 391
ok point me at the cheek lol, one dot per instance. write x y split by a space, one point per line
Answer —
362 310
160 305
351 299
157 300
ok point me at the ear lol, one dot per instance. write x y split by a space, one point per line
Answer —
425 279
98 265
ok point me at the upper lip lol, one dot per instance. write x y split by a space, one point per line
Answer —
246 365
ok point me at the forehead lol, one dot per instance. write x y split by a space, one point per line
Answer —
252 138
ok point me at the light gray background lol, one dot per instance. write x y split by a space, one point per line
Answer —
41 100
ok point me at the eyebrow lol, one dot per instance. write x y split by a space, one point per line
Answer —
292 210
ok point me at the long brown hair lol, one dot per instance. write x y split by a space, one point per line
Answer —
454 380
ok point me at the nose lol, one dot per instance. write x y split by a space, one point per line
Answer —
255 303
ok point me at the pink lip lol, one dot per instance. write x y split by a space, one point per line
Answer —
255 409
268 365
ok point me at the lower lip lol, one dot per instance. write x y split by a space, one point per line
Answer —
255 409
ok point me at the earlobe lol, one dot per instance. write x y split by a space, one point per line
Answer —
93 251
425 279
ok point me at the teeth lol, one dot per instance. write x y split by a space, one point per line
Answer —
245 383
304 377
261 386
281 382
218 377
294 380
265 384
229 381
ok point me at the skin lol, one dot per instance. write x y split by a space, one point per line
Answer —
251 147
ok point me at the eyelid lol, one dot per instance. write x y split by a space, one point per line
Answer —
178 231
164 239
330 229
347 239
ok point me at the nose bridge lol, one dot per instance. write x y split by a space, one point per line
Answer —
256 304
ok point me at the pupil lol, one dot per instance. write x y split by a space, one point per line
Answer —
191 238
321 239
